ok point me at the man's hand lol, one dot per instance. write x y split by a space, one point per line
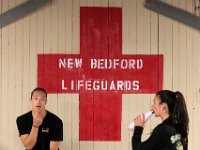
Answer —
37 119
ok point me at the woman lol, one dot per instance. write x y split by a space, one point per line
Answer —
172 133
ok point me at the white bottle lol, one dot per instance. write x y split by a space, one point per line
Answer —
147 116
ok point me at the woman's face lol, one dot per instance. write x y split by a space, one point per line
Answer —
157 106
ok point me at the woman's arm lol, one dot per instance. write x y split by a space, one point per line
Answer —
150 144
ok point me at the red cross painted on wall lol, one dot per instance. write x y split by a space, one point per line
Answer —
100 74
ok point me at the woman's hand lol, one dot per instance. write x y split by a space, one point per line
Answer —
139 120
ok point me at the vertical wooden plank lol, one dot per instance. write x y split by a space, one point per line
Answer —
64 105
129 46
1 85
182 53
18 100
5 58
165 47
51 41
195 107
84 144
115 3
129 27
50 44
26 63
154 33
48 21
32 53
11 80
75 49
127 118
135 109
69 112
147 29
18 78
196 101
65 112
114 145
40 31
84 2
191 71
33 50
110 145
175 50
1 57
190 95
72 28
117 145
143 47
23 64
147 98
54 28
69 25
75 18
140 27
50 29
195 114
138 101
61 26
75 121
154 49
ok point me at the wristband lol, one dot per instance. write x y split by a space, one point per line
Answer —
35 126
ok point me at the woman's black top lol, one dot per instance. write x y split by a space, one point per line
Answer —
164 137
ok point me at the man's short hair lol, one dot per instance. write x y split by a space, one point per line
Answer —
39 89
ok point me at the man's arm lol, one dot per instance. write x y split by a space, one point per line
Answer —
54 145
29 140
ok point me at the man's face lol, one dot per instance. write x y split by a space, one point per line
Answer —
38 101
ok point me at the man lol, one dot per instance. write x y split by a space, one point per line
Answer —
40 129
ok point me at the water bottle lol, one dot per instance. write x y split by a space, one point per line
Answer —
147 116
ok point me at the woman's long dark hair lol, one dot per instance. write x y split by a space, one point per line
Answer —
177 111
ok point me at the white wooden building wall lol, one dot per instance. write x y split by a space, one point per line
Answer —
55 29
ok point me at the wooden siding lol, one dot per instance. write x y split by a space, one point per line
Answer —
55 29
